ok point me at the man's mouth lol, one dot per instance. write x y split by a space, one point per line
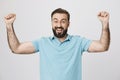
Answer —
59 30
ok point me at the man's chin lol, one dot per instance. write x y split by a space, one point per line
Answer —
59 33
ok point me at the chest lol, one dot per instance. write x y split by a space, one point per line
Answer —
60 52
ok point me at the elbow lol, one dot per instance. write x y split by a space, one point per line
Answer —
15 51
105 48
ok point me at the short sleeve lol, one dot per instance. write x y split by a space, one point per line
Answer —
36 44
85 44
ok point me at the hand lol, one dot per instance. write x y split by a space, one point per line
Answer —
10 18
103 17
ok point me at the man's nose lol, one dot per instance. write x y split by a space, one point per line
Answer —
59 25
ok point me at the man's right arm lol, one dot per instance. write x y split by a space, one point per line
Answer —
14 44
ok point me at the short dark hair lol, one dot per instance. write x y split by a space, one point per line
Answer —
60 10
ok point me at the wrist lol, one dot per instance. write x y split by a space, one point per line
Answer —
105 22
9 26
105 25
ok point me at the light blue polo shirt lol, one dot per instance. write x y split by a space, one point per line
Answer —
61 60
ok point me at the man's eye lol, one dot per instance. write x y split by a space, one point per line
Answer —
55 21
63 21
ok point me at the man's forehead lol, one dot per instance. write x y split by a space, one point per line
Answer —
59 16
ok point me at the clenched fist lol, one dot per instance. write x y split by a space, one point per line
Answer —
103 16
10 18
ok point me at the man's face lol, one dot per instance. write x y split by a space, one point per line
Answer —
60 24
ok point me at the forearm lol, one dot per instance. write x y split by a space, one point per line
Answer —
12 39
105 36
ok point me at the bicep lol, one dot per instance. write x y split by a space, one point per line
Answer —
96 46
25 48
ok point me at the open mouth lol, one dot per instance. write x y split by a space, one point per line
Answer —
59 30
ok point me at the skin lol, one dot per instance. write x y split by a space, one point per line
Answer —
58 20
14 44
103 43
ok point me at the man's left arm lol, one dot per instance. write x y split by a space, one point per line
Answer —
104 42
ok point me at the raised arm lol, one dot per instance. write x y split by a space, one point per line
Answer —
14 44
104 42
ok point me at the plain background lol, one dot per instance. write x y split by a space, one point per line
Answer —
33 21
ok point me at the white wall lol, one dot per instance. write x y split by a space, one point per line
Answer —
33 21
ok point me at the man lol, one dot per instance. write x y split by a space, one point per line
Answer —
60 55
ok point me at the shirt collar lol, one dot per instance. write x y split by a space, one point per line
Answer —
67 38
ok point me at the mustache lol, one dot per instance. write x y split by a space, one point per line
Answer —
59 27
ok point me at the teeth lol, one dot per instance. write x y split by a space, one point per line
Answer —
59 29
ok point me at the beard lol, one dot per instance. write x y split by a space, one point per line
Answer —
59 32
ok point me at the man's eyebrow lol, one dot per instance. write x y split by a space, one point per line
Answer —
64 19
55 19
